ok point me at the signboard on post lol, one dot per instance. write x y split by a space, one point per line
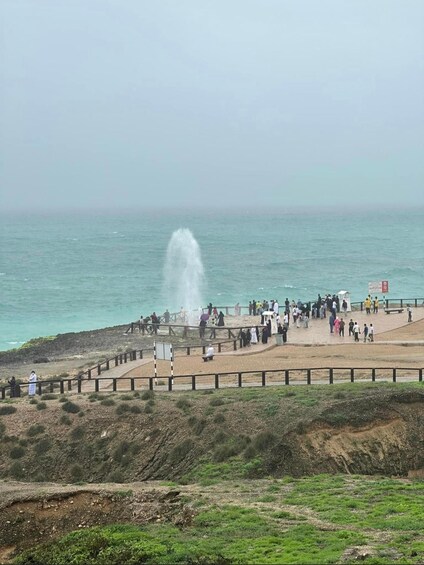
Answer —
378 287
163 351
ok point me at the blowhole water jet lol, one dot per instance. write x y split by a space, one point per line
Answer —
184 275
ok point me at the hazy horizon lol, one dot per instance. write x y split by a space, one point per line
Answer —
121 105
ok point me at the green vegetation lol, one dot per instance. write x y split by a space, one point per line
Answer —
71 407
7 409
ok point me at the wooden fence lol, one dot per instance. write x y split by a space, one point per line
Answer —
244 310
204 381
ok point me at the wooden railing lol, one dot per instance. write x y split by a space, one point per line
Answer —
234 379
244 310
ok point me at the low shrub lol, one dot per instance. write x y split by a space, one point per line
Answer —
183 404
17 452
219 418
216 401
263 441
17 471
65 420
77 433
71 407
181 450
77 473
41 406
7 409
42 446
49 396
35 430
136 409
122 409
107 402
148 395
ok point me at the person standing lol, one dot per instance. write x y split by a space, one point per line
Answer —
254 336
375 305
351 325
220 318
331 321
32 383
341 327
409 310
371 333
12 383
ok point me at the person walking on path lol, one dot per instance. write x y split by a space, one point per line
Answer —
220 318
341 327
409 310
32 383
371 333
365 332
356 331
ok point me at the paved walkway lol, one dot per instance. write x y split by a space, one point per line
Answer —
317 333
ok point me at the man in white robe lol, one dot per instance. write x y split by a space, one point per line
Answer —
32 383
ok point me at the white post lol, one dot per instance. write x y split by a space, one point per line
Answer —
172 363
154 359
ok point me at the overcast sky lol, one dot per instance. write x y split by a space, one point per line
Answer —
129 103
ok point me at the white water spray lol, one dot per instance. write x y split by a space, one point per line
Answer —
184 275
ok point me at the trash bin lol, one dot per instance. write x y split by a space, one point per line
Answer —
279 339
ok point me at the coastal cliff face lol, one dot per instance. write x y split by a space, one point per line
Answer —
367 429
82 462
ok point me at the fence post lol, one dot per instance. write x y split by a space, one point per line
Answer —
352 375
219 347
3 392
193 382
308 377
89 374
235 345
116 361
420 375
99 370
132 383
62 388
39 388
96 385
331 377
69 384
240 380
79 385
125 357
188 351
51 386
286 377
169 384
216 381
141 354
394 375
263 378
114 385
150 383
373 376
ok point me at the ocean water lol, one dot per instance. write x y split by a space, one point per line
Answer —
67 272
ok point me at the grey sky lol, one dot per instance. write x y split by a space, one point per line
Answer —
124 103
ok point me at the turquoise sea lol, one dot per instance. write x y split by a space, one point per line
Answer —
64 272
